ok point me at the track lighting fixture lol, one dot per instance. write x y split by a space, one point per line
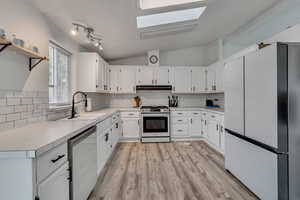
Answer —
90 34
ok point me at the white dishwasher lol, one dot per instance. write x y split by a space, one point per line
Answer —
83 164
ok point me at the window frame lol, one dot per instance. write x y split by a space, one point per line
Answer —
60 49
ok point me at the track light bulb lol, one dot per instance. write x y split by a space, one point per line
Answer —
74 31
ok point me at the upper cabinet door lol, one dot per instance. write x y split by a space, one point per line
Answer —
234 95
211 79
162 76
219 69
145 76
87 72
101 76
261 96
198 79
182 80
127 79
114 79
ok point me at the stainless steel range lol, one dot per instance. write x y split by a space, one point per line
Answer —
155 126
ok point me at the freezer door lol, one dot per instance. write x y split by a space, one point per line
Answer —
265 90
294 119
234 95
262 171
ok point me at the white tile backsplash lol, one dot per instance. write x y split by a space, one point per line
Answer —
18 108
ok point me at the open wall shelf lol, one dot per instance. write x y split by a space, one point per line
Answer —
34 58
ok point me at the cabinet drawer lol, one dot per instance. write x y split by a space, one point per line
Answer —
180 130
130 114
51 160
104 125
195 113
179 120
213 116
179 113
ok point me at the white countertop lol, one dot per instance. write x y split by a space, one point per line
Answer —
215 110
41 137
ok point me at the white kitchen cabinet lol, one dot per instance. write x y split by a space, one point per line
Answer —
195 126
127 80
210 79
219 75
234 95
261 81
104 148
222 135
91 73
182 80
122 79
106 78
204 125
56 186
145 75
162 76
114 79
131 128
213 132
198 76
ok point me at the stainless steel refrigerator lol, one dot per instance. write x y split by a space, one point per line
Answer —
262 120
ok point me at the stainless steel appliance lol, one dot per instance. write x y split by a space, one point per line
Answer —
83 164
155 125
262 115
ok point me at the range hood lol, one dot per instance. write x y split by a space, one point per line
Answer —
154 87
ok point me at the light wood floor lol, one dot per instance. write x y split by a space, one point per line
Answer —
168 171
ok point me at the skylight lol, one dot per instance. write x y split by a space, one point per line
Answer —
169 17
150 4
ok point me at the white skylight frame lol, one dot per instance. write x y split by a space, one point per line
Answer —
151 4
169 17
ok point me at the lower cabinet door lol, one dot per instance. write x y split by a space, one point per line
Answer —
213 133
56 186
131 128
195 127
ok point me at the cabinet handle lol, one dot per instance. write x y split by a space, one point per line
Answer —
191 120
180 120
213 116
152 81
205 122
106 137
196 113
217 127
97 86
194 88
117 125
133 88
222 129
130 114
117 88
58 158
179 130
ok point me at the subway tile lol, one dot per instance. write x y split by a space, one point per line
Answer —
13 101
13 117
26 115
6 109
2 118
20 123
21 108
26 101
2 101
37 100
6 125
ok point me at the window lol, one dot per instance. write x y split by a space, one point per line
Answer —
150 4
169 17
59 75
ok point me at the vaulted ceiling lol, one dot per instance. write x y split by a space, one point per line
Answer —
115 21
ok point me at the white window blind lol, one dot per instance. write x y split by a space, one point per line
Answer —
59 75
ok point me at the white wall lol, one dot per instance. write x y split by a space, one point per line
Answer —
23 19
194 56
268 24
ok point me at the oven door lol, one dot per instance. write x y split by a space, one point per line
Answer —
155 125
